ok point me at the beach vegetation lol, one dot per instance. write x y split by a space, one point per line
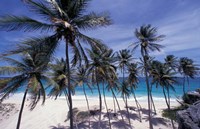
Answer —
64 20
147 41
28 73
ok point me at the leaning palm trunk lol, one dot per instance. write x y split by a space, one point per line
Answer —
126 103
69 86
106 107
188 83
169 106
100 105
117 104
138 105
148 90
184 84
114 104
66 95
153 104
168 96
21 109
87 104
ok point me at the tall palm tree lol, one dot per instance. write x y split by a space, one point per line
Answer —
147 37
114 86
100 68
26 72
58 73
133 81
125 93
171 61
164 76
65 19
124 58
82 79
188 69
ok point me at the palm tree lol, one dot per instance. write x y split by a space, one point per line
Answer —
58 73
27 73
82 79
65 20
113 86
164 76
133 81
188 69
100 68
171 61
124 58
147 37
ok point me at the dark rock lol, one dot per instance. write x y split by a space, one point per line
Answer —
191 97
189 118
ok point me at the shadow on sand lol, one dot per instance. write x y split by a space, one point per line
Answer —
116 120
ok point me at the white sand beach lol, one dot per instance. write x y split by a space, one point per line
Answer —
53 115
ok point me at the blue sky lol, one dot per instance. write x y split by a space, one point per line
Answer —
179 20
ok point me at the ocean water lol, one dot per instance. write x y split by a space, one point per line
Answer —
140 91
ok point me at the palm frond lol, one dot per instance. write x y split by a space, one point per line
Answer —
91 41
12 86
23 23
8 70
14 62
92 21
43 9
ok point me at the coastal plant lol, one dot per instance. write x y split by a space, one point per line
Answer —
82 79
147 37
188 69
172 62
65 20
124 58
165 77
114 86
26 72
58 73
133 81
99 68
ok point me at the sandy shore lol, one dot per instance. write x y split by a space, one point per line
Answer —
53 115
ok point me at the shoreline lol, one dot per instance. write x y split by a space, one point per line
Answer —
77 97
53 113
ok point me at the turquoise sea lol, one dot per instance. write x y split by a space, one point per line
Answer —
141 91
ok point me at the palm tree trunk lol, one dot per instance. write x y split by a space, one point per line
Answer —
87 103
165 98
123 73
184 84
137 104
168 95
117 103
21 109
170 107
100 105
114 104
106 107
188 83
153 104
66 95
126 102
69 86
148 89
